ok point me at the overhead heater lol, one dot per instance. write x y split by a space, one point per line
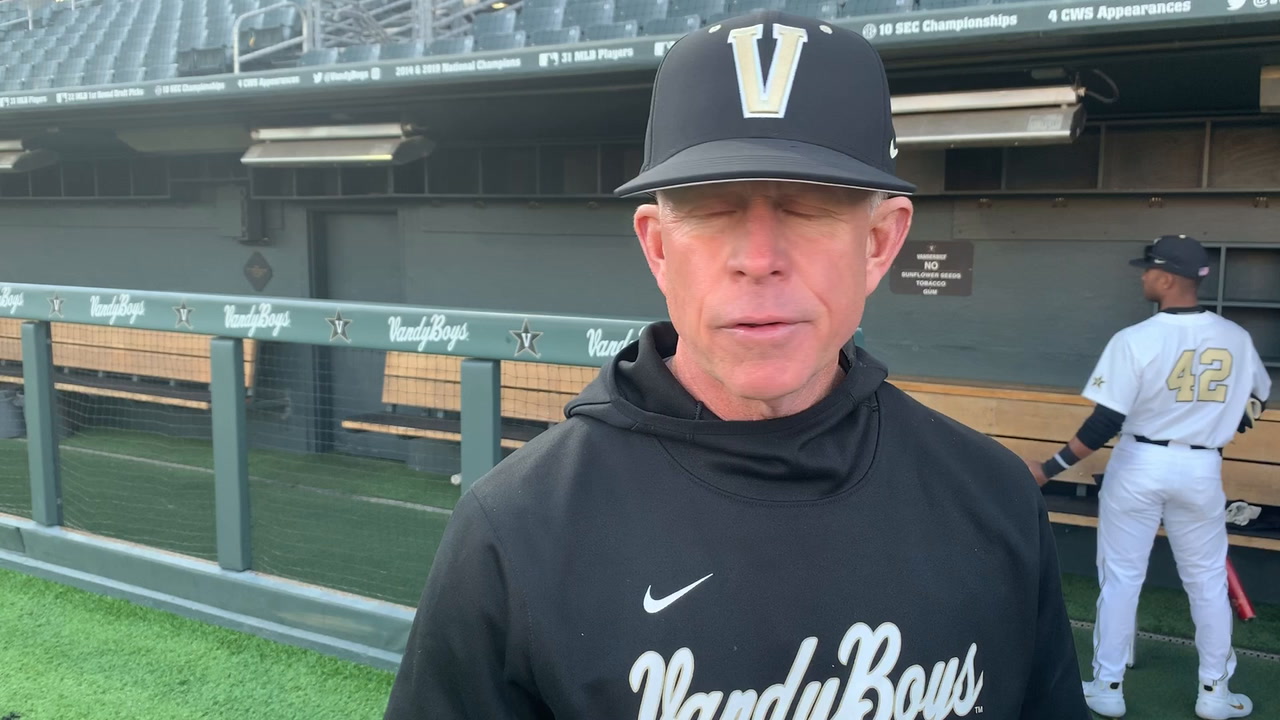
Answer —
15 157
989 118
336 145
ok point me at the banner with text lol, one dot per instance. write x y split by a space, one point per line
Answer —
470 333
900 30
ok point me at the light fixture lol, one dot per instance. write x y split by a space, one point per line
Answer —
986 100
336 145
989 118
15 157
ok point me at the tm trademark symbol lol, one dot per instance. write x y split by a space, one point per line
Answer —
977 710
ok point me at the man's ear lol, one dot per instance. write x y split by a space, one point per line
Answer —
890 224
648 227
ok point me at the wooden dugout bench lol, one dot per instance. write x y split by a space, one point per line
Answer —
422 395
418 389
151 366
1036 423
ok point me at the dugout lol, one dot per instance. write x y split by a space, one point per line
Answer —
507 207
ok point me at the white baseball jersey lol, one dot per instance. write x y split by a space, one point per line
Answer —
1184 377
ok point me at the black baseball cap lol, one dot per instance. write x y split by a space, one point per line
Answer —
770 96
1177 254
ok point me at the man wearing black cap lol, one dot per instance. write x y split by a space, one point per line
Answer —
740 519
1177 386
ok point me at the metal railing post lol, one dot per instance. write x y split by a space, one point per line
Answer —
481 419
42 423
230 454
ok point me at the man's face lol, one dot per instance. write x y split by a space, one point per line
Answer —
765 281
1153 282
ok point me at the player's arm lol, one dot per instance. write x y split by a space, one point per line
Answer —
1113 386
468 650
1259 394
1252 412
1100 427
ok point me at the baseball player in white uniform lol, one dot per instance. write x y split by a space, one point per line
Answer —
1177 387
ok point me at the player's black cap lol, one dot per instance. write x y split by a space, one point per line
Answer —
1177 254
770 96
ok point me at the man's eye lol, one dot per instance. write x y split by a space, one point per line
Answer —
802 212
714 212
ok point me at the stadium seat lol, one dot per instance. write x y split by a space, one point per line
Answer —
555 36
675 25
359 53
190 37
218 30
99 76
947 4
504 41
742 7
162 72
16 76
70 72
100 61
639 10
402 50
204 61
703 9
456 45
858 8
130 75
319 56
589 13
544 18
160 55
494 23
31 55
130 60
84 48
528 5
45 69
264 37
819 9
613 31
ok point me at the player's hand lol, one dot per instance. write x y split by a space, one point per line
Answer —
1037 471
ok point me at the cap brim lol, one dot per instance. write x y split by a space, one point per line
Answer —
762 159
1170 268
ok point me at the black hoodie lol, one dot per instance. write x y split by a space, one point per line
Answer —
865 558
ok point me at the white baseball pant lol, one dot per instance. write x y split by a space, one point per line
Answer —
1143 485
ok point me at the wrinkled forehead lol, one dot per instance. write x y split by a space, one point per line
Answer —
745 190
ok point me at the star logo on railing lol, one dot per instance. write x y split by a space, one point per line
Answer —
526 340
338 327
55 305
184 315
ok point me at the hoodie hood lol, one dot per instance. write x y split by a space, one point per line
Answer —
821 451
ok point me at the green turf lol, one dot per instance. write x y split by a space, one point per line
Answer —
312 520
72 655
312 517
1164 611
330 471
1162 683
15 483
